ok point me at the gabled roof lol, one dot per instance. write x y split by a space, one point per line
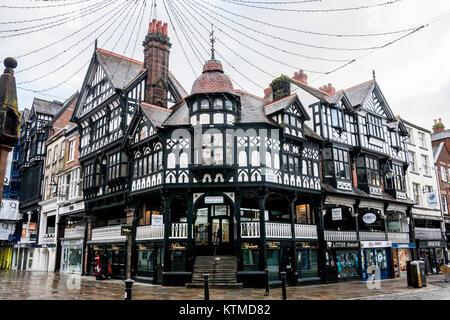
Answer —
357 94
121 70
252 109
65 105
313 91
310 133
46 107
26 115
155 114
286 102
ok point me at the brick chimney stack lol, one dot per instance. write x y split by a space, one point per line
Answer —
329 89
301 77
156 60
438 126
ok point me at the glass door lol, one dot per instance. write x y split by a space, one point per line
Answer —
273 264
382 262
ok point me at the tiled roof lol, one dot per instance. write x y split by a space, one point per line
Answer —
252 109
157 115
440 135
25 114
46 107
121 70
310 133
358 93
212 79
280 104
334 97
179 115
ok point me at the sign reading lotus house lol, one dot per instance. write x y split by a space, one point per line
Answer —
369 218
213 199
336 214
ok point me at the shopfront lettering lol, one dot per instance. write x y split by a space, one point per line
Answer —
177 246
273 245
247 245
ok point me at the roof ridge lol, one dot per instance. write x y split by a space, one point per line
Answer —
357 85
250 94
119 56
306 85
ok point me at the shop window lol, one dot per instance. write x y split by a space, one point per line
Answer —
146 259
370 220
273 264
178 259
307 265
340 219
250 254
304 214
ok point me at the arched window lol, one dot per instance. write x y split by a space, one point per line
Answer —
276 161
184 160
255 158
218 149
144 132
268 159
218 104
242 159
194 106
304 168
228 105
171 161
316 170
204 104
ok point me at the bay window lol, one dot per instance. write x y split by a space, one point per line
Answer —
337 118
336 163
375 126
368 171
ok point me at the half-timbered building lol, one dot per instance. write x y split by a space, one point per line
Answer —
365 208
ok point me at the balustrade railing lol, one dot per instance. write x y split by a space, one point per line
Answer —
428 233
369 236
305 231
278 230
331 235
179 231
250 230
107 233
49 238
77 232
149 233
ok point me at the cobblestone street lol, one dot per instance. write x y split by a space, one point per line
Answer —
26 285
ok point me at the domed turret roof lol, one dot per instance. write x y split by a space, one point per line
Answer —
212 79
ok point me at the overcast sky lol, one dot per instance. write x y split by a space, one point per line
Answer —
414 73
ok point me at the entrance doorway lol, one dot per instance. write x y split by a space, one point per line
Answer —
213 229
377 257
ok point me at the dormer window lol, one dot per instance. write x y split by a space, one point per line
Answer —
228 105
395 139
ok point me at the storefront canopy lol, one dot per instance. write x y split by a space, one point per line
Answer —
372 205
340 201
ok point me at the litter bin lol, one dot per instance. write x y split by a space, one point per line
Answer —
416 274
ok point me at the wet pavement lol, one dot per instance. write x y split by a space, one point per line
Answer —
34 285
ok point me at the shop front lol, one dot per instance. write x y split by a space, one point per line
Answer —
72 256
279 257
401 254
433 253
250 256
376 253
342 262
116 253
306 263
150 261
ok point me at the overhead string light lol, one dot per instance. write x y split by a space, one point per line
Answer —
45 7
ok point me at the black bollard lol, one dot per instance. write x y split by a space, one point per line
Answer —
128 289
206 285
283 284
267 283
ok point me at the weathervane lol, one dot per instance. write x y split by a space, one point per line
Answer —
213 40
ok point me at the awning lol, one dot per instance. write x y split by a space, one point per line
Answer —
427 213
340 201
372 205
397 207
426 217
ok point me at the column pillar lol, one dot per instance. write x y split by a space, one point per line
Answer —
356 214
321 253
90 224
167 231
130 219
262 230
237 214
190 239
292 275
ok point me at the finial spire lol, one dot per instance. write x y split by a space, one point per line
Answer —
155 11
213 40
373 74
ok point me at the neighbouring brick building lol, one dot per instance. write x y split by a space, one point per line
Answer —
440 140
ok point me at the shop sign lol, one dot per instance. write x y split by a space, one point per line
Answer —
126 231
214 200
273 245
336 214
369 218
14 237
432 244
306 245
342 244
376 244
178 246
145 246
403 245
247 245
157 220
433 202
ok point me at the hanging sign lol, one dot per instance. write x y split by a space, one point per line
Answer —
157 220
273 245
214 200
433 202
369 218
126 231
336 214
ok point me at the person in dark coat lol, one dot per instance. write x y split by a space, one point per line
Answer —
104 265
